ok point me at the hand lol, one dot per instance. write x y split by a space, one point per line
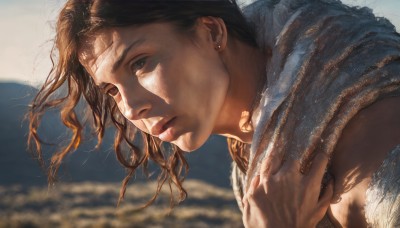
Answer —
286 197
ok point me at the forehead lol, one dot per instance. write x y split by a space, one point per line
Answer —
105 45
96 45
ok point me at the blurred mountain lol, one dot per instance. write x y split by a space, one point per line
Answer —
211 163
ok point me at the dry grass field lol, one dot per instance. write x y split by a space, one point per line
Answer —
75 203
94 205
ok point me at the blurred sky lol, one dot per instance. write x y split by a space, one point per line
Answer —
27 25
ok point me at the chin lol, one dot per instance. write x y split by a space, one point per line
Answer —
189 143
187 147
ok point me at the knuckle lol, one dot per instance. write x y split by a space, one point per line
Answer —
251 200
257 194
249 196
265 183
279 177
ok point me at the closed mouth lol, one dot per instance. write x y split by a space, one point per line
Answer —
168 124
161 126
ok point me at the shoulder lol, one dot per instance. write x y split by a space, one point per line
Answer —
365 143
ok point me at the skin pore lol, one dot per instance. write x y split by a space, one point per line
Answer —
177 86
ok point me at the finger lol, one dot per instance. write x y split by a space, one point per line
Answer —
265 167
325 200
290 165
318 167
245 202
246 214
254 184
276 163
270 165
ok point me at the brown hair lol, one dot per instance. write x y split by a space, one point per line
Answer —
76 22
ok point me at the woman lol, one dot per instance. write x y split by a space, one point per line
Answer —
300 81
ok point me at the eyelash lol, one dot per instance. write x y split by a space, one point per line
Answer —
138 65
135 66
113 91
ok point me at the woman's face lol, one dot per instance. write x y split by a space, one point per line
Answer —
169 84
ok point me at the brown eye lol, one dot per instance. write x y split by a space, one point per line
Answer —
113 91
138 64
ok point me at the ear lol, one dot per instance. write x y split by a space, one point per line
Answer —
217 31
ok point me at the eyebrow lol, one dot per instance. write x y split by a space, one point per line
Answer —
122 57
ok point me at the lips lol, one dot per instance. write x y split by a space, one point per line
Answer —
161 126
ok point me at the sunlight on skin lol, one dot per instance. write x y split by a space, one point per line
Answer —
29 25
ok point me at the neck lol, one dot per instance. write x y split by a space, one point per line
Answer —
246 67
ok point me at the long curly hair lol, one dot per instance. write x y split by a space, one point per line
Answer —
78 20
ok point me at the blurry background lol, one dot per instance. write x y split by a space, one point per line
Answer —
88 191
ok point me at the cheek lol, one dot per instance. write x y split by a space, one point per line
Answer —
140 125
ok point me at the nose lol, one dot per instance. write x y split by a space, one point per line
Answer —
133 107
